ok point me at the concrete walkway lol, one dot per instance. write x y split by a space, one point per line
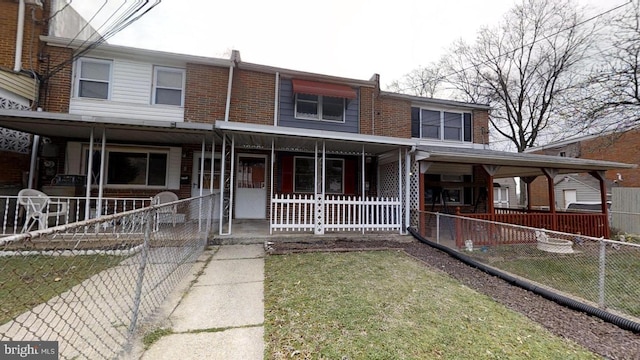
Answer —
221 315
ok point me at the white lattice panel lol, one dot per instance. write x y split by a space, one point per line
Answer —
11 140
414 191
389 179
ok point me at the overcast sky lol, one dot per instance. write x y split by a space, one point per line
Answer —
349 38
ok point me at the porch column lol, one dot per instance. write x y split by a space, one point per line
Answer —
603 200
87 205
273 160
528 180
34 160
400 187
363 221
551 174
232 182
202 154
103 156
491 170
223 158
407 186
422 170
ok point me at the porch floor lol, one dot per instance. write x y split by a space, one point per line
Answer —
250 231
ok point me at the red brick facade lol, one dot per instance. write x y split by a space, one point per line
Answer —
392 117
206 95
32 30
619 147
252 97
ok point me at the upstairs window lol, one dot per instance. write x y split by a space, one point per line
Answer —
168 86
441 125
93 78
318 107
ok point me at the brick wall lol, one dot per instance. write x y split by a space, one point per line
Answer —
252 97
480 126
624 148
392 117
206 93
55 92
31 42
367 99
13 165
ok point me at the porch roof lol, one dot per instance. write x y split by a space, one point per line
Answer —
515 164
297 139
118 129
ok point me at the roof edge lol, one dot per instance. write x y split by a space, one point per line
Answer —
436 101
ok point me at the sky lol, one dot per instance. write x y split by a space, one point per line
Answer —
347 38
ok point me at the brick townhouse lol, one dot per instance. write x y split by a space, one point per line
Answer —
305 151
621 147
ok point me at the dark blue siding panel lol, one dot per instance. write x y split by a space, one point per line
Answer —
287 116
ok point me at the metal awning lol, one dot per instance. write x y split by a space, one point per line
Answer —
513 164
325 89
118 129
255 136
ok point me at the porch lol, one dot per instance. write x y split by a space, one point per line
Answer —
475 198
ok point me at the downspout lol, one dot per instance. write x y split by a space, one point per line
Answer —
229 85
19 35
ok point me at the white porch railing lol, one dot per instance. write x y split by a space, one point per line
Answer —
336 213
13 215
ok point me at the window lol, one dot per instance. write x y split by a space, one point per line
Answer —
168 86
318 107
133 167
93 77
441 125
304 175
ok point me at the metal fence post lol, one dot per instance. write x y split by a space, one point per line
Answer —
438 228
141 269
601 280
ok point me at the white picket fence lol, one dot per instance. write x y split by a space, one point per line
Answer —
296 212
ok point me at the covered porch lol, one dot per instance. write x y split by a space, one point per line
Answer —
313 181
483 166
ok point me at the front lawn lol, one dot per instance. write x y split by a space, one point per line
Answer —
386 305
26 281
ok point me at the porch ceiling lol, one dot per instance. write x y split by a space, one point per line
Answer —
252 136
118 129
515 164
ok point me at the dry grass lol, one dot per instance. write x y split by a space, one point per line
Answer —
386 305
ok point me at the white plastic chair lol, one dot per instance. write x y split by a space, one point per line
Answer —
39 208
166 211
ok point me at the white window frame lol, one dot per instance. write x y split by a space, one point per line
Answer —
295 158
127 149
442 127
78 77
155 84
320 102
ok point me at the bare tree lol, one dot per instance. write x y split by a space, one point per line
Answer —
522 67
612 100
423 81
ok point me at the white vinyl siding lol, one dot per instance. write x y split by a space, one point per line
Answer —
131 96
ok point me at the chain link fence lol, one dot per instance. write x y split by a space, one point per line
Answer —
91 285
601 272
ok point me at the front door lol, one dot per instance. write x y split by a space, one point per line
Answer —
251 189
207 178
